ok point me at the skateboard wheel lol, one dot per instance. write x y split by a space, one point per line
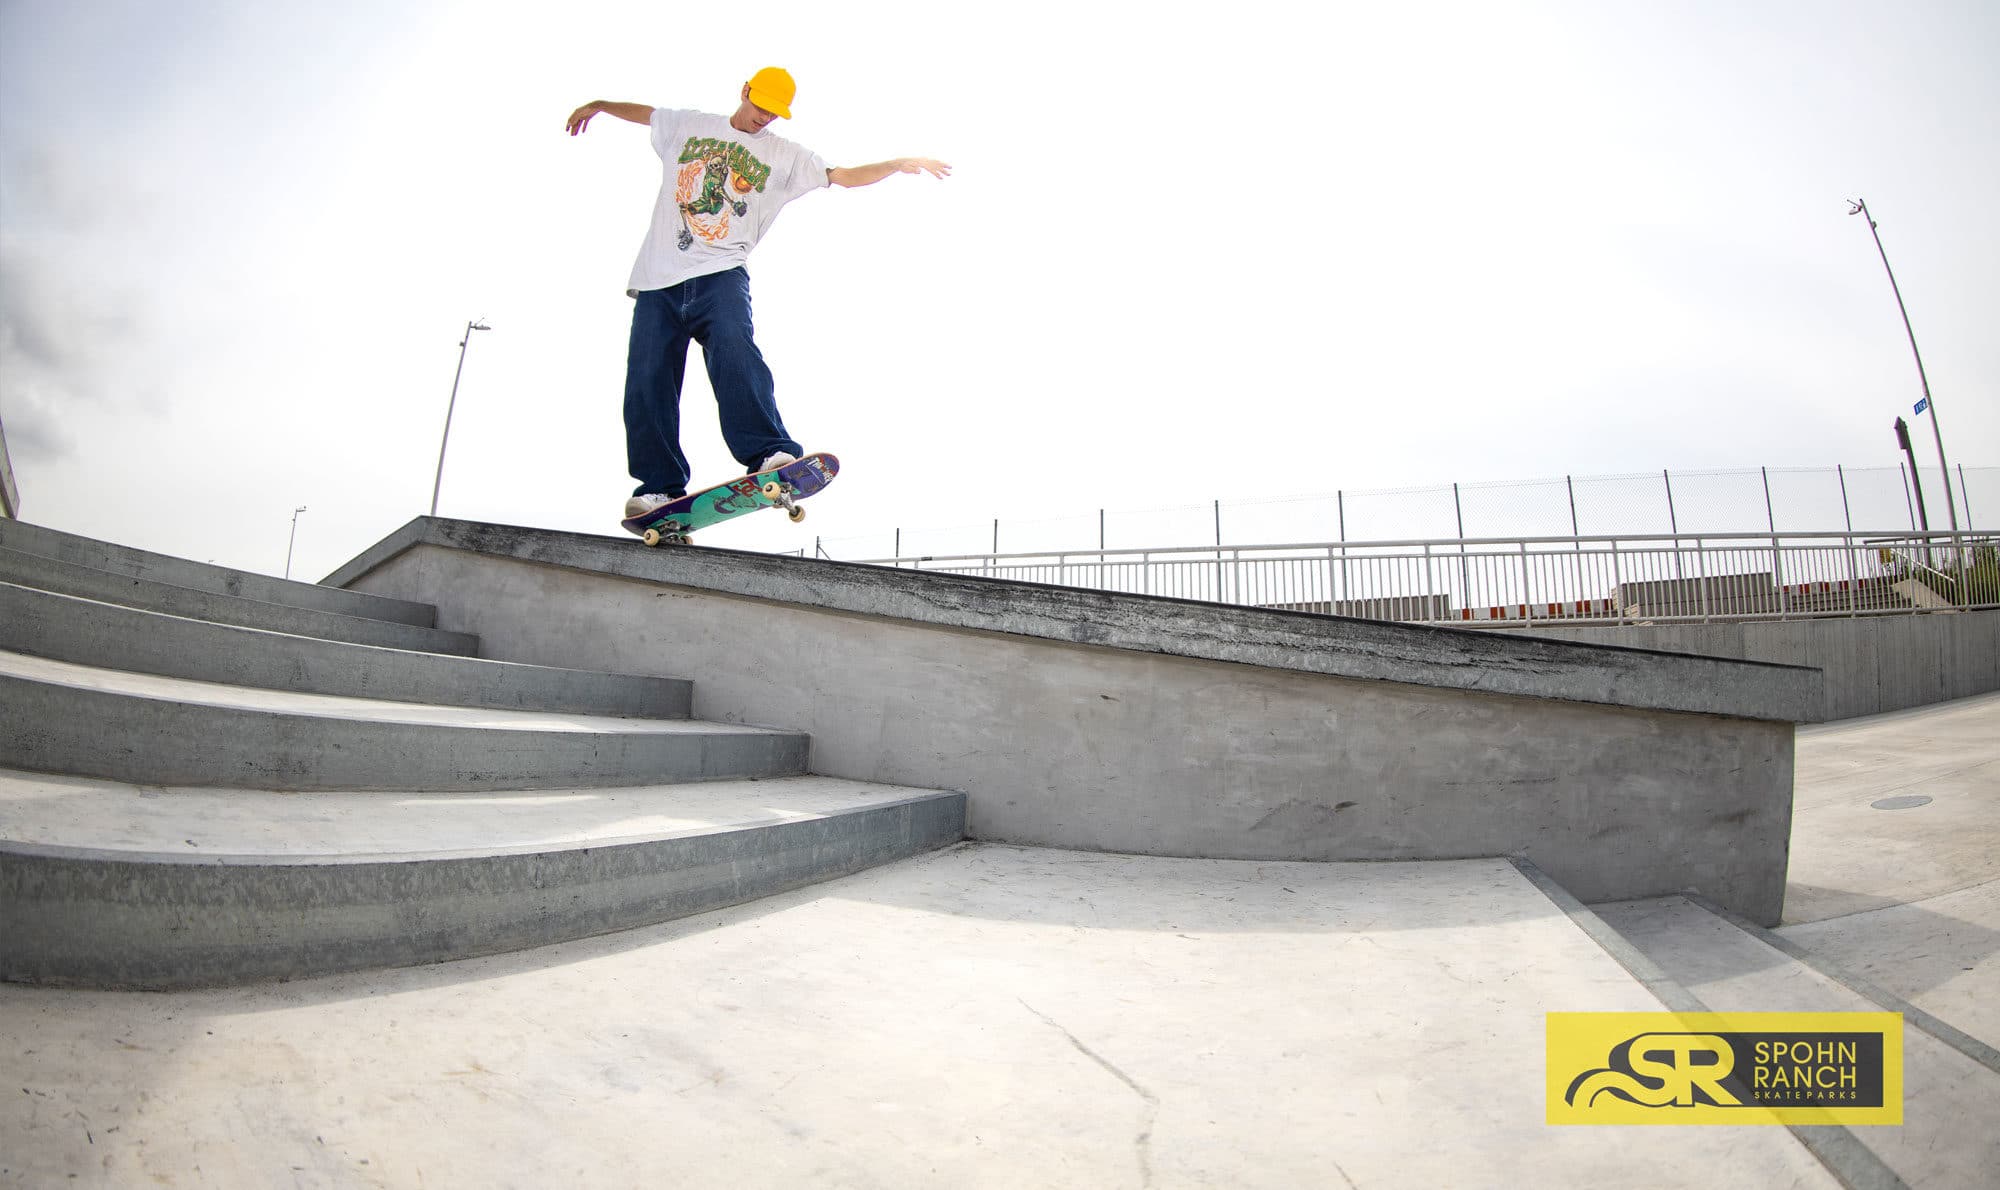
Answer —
652 537
773 490
796 513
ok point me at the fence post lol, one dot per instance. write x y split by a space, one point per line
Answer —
1853 574
1707 612
1576 535
1430 580
1218 552
1617 593
1778 577
1340 505
1673 522
1464 567
1853 563
1527 585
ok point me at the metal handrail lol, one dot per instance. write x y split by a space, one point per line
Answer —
1871 537
1508 581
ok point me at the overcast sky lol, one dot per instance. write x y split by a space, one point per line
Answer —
1218 248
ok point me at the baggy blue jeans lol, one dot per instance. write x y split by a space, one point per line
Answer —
714 311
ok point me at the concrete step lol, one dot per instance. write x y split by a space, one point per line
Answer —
201 576
65 718
1951 1082
68 578
112 636
107 884
980 1017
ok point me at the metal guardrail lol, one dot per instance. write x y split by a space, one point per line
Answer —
1512 581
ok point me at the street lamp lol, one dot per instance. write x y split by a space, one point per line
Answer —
1860 207
294 541
478 325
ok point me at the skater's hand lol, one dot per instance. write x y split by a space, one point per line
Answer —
868 175
637 113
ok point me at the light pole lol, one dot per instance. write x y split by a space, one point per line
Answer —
477 325
294 541
1860 207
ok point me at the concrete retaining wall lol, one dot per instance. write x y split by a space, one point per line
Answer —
1125 723
1872 663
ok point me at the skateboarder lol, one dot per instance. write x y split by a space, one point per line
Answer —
726 179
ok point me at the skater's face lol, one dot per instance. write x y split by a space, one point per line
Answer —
749 117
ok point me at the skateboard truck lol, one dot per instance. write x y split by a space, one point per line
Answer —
780 494
671 532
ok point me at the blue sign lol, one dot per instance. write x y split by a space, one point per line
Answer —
1923 404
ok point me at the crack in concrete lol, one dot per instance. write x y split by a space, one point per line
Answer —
1145 1138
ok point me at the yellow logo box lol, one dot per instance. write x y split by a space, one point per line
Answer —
1725 1068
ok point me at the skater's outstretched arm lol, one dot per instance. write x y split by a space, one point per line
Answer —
637 113
868 175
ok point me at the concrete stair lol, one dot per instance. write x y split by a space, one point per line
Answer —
104 556
68 578
113 636
1951 1088
209 777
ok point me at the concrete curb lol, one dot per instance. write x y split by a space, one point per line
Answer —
112 636
200 576
58 728
68 578
1842 1153
1944 1031
118 920
1447 658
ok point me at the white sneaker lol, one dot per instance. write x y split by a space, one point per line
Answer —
641 505
774 461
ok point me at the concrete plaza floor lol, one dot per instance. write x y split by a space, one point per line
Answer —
1000 1016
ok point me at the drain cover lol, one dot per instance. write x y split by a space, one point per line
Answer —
1902 803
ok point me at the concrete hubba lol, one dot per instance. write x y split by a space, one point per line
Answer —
1100 721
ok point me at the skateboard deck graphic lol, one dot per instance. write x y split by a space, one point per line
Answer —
781 487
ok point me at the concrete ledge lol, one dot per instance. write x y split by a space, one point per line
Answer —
160 921
200 576
1120 723
1872 664
68 578
1445 658
97 724
111 636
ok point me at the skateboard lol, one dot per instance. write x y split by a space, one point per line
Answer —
781 487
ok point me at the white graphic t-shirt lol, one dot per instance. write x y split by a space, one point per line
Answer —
722 191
